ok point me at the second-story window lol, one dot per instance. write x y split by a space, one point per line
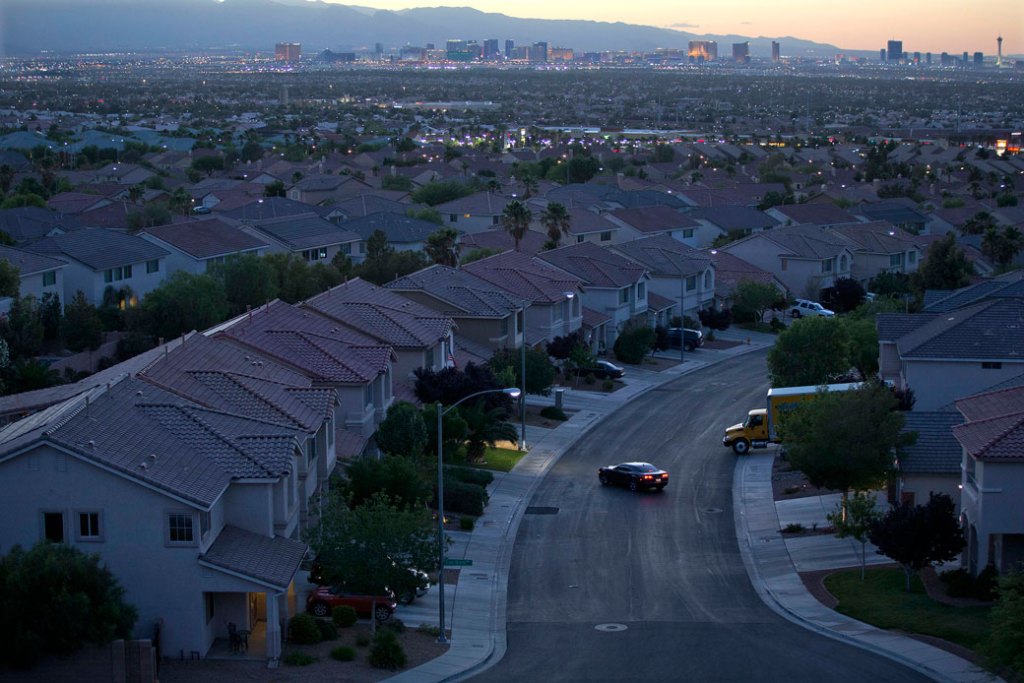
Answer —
49 278
606 236
707 279
826 265
911 257
624 295
895 260
641 290
179 528
691 283
368 394
153 266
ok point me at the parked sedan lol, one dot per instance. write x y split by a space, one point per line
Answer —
325 598
635 475
602 369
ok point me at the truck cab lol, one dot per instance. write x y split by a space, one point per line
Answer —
752 432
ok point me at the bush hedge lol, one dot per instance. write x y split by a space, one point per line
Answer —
387 652
344 616
299 659
464 498
303 629
553 413
343 653
467 522
471 475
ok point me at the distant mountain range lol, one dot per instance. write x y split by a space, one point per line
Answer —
31 26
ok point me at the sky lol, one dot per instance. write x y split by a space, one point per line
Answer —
923 25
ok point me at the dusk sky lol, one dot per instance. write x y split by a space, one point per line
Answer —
933 25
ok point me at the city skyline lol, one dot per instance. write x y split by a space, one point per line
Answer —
874 23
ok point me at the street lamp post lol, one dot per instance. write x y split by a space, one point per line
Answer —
441 412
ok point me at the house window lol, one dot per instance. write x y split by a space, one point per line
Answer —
117 274
312 450
991 365
89 526
624 295
368 394
346 249
911 257
606 236
53 526
108 276
49 278
153 266
969 466
495 220
453 218
707 280
895 260
579 238
785 264
826 265
691 283
321 253
127 272
842 263
504 326
641 290
687 233
179 528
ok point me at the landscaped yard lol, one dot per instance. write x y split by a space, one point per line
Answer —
499 459
881 601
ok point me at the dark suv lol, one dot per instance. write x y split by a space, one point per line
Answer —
691 339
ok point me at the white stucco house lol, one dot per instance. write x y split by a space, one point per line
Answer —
38 274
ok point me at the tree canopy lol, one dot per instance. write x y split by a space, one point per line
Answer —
917 536
810 352
754 299
515 219
56 599
539 371
182 303
844 440
945 266
374 544
249 281
402 431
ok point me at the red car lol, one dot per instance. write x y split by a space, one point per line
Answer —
325 598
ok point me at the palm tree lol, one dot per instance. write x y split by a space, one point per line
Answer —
516 219
485 428
979 223
556 220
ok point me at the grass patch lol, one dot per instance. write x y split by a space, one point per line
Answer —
500 459
881 601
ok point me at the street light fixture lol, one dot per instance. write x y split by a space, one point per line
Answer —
441 412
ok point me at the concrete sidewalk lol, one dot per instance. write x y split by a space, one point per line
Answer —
771 564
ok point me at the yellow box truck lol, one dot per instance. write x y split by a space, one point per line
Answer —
759 429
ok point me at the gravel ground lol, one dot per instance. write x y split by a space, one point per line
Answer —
419 648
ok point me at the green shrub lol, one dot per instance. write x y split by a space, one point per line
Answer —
387 652
299 659
553 413
793 528
344 616
328 631
303 629
608 385
777 325
467 522
464 498
471 475
362 640
343 653
960 583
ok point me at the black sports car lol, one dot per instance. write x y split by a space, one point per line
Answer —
635 475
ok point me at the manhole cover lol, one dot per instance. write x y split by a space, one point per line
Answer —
541 511
610 628
713 511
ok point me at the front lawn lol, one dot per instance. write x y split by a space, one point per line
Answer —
881 601
499 459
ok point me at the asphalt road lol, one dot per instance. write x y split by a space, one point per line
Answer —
666 566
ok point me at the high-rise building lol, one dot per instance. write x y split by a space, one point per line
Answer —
881 55
928 58
703 50
917 58
979 59
965 61
287 52
741 52
539 52
894 52
378 49
491 49
560 54
776 51
510 45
